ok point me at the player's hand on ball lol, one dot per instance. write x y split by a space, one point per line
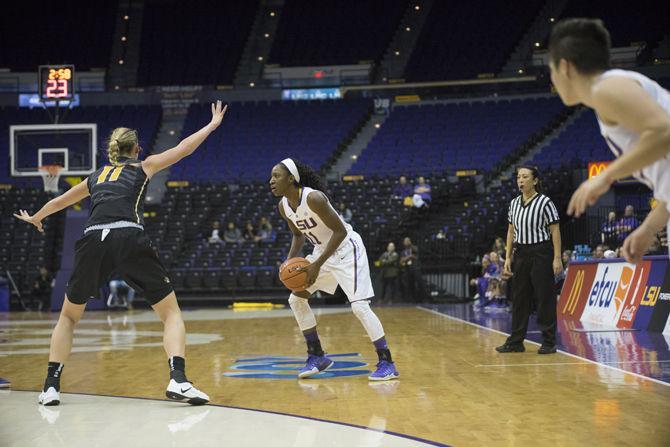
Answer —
588 194
312 272
218 111
24 216
637 244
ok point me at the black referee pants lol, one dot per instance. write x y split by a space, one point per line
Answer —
533 280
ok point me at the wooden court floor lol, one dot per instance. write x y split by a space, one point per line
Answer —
454 388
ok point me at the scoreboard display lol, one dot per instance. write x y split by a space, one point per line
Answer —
56 82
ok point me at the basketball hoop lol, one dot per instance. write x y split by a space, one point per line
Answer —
50 175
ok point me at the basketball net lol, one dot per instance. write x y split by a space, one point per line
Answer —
50 175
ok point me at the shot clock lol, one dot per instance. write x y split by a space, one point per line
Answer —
56 82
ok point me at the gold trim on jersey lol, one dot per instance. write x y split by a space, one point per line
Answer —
139 196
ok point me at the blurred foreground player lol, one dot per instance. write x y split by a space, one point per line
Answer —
634 118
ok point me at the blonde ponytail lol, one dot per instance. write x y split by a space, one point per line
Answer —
121 142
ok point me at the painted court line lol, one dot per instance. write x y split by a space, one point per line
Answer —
570 363
603 365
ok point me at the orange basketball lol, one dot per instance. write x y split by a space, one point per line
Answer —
292 278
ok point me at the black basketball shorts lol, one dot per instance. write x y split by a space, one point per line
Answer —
124 252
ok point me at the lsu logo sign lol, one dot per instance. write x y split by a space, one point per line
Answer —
576 289
597 167
616 293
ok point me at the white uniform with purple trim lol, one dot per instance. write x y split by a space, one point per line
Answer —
621 139
348 266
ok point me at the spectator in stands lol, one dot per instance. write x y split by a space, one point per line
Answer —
490 285
120 294
609 230
264 229
232 234
390 272
215 238
566 257
345 212
423 191
250 234
403 189
481 283
411 271
599 252
41 291
627 224
499 247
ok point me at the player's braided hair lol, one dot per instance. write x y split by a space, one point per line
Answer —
121 142
310 178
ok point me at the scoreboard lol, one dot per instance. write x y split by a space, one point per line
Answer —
56 82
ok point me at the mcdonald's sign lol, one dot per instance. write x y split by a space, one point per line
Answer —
597 167
573 296
576 289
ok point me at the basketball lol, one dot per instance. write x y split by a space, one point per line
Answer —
292 278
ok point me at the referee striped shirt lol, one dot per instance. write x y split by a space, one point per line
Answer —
531 221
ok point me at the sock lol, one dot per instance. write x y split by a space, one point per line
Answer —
383 351
313 342
177 369
54 371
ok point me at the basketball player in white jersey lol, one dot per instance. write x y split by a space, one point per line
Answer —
634 117
339 257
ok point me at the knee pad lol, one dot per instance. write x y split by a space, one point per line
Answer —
368 319
302 312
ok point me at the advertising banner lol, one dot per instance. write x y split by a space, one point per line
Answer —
615 294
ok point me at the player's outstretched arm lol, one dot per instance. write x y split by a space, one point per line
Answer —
187 146
624 102
74 195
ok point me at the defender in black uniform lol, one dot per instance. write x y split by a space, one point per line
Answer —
114 241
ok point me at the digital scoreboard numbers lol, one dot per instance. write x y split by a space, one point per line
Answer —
56 82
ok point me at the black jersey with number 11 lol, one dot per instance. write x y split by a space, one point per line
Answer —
117 193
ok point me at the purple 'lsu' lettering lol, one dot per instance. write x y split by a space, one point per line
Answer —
305 224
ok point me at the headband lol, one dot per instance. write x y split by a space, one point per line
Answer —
292 168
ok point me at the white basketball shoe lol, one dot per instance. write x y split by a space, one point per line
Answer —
186 391
49 397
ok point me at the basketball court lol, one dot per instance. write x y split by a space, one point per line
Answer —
454 389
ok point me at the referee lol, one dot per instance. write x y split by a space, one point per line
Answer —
533 227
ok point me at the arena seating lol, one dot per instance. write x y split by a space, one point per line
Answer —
23 250
648 23
463 39
193 43
331 33
579 144
446 137
484 214
56 33
181 225
255 136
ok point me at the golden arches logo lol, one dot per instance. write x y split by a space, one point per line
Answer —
597 167
573 297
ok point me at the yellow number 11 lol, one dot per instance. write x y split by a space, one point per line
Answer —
105 172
